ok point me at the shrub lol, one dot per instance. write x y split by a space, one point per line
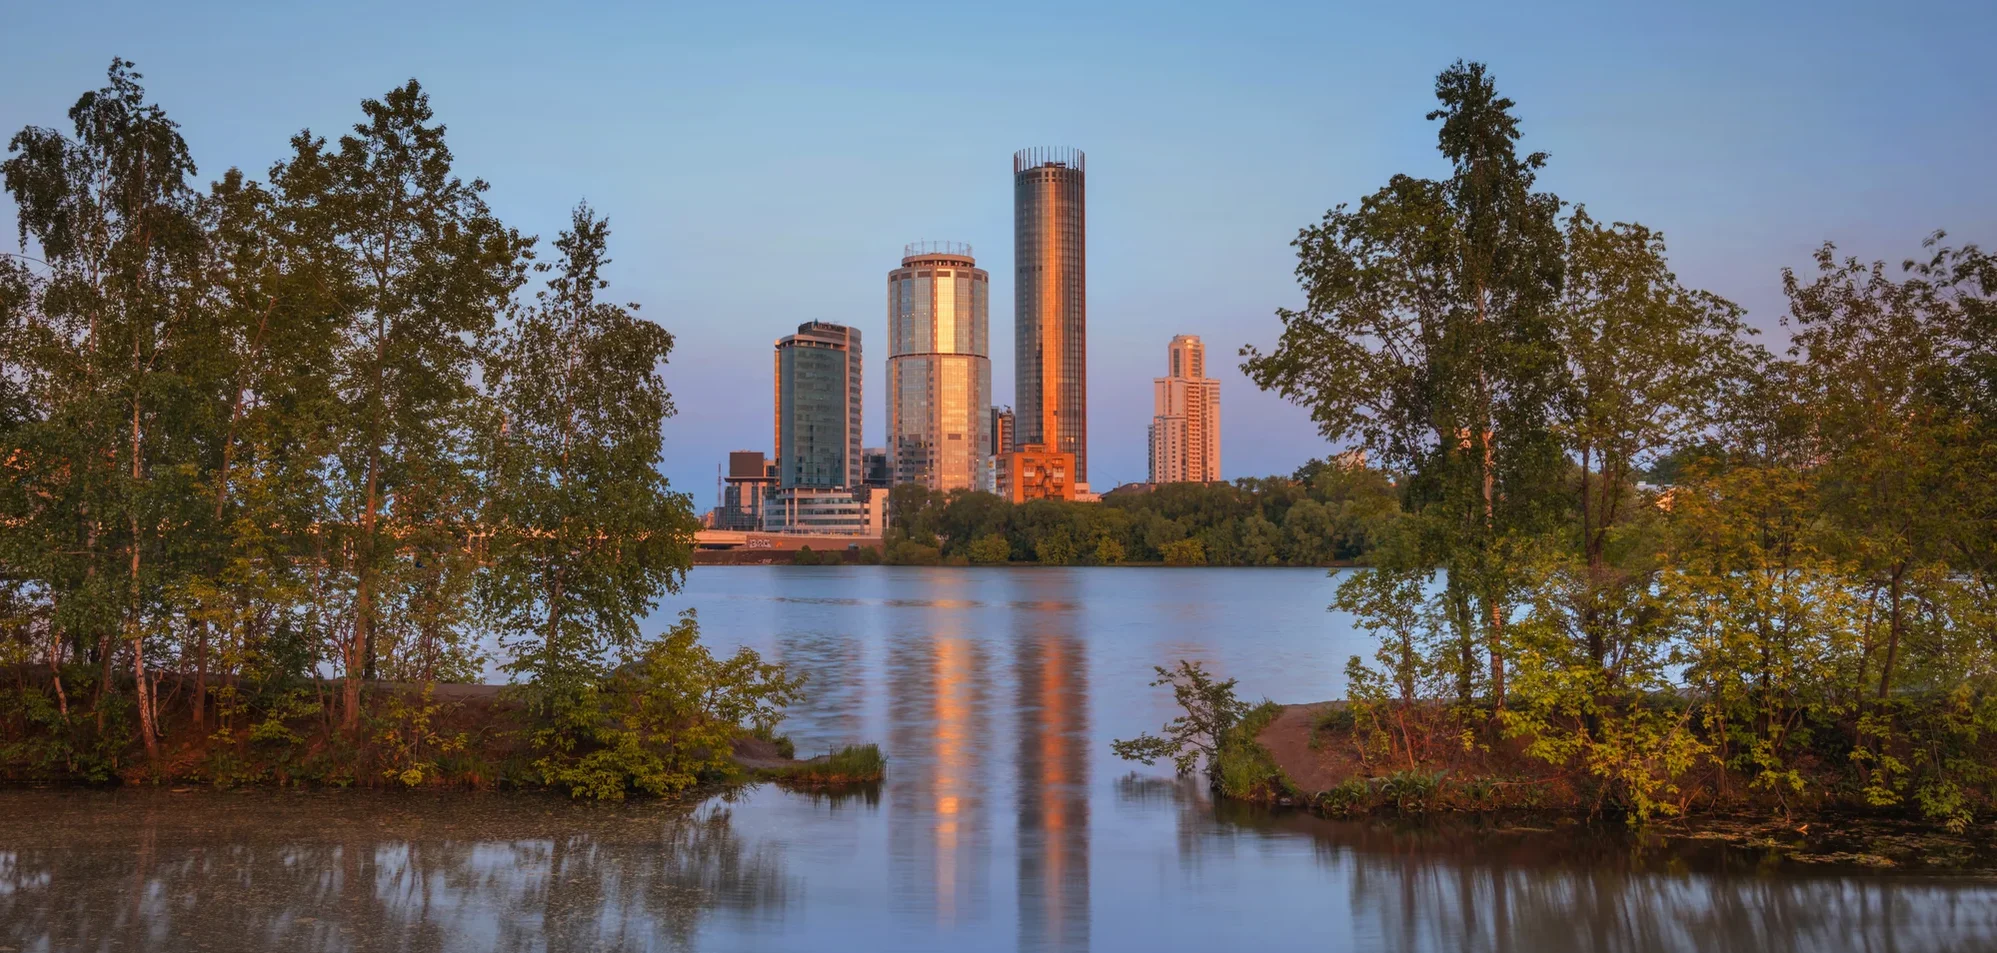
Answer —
1245 769
1350 796
989 549
407 740
663 722
1211 709
1184 552
1411 792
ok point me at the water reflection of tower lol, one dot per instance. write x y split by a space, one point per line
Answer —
1052 675
939 838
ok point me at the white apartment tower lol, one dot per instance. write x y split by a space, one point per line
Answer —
1185 423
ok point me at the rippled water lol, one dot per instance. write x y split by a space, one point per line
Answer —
1004 824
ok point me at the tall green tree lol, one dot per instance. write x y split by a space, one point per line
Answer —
430 268
1646 363
1426 337
100 354
586 534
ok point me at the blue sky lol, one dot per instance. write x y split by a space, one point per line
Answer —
763 164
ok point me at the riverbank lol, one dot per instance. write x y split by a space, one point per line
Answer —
868 556
1318 758
410 736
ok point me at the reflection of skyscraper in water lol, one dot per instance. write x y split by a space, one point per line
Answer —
1053 684
939 838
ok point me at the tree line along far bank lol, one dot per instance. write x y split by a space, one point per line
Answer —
1323 515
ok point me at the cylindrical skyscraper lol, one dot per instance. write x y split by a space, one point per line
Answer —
939 367
1050 303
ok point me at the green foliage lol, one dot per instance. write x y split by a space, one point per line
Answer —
1055 549
805 556
407 741
1243 768
1210 709
43 743
1347 798
1800 617
594 534
305 424
1338 514
1412 792
989 549
1184 552
853 764
903 552
662 722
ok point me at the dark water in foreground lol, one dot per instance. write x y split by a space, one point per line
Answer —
1005 822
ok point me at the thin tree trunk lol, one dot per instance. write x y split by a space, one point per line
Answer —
1487 461
143 689
55 672
1893 628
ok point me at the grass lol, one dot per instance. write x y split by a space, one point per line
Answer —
1244 768
853 764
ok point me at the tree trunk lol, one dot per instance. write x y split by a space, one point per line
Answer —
360 649
147 728
55 672
1894 623
200 701
1487 463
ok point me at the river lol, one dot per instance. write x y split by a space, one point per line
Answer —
1005 822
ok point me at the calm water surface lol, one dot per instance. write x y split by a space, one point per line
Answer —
1005 822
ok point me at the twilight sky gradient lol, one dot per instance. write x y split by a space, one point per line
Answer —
763 164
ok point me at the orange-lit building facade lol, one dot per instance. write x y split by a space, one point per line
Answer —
1185 422
1035 472
939 369
1050 303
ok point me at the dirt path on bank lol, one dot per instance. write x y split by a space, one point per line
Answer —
1311 769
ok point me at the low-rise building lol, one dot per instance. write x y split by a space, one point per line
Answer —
750 479
1036 472
829 511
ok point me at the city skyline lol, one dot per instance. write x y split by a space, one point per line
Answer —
720 139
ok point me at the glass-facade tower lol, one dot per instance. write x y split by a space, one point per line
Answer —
818 407
1050 303
939 367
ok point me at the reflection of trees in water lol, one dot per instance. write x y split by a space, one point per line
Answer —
1432 902
1051 672
363 872
1199 837
1460 884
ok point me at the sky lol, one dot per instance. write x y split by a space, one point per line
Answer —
763 164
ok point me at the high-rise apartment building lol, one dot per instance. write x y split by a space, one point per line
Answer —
1002 431
939 367
1050 303
1185 426
1000 444
818 407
